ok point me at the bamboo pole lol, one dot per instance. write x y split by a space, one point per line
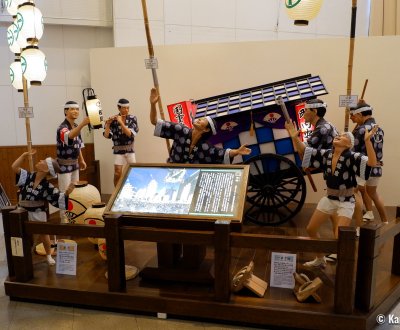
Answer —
153 69
27 123
350 62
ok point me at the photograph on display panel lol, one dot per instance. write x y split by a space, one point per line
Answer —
183 190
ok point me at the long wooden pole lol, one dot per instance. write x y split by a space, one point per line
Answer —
364 89
27 123
153 69
350 62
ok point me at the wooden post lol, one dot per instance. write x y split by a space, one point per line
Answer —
5 212
168 254
21 246
222 259
396 249
345 271
396 255
368 253
115 254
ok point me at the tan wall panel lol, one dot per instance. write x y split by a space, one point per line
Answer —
199 71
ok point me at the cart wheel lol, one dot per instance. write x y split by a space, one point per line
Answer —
276 189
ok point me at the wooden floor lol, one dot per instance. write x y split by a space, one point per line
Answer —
90 288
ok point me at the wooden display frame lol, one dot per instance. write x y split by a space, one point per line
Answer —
240 195
356 300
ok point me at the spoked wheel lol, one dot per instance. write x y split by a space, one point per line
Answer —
276 190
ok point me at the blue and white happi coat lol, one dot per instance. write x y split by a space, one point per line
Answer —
377 143
342 179
44 191
68 149
119 138
202 153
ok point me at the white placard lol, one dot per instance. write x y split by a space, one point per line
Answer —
348 101
16 247
151 63
283 265
66 258
25 112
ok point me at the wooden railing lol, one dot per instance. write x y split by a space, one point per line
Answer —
219 235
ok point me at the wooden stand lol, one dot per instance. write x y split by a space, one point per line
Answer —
339 309
246 278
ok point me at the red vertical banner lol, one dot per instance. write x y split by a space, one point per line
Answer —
305 128
182 112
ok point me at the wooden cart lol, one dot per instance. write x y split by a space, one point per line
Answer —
277 188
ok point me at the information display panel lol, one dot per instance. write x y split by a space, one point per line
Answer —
189 191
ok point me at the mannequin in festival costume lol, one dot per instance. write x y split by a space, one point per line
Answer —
122 129
190 145
324 132
340 167
35 190
362 116
321 137
69 145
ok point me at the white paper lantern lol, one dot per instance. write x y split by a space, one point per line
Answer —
16 76
94 216
34 65
95 114
12 33
80 199
12 6
30 23
302 11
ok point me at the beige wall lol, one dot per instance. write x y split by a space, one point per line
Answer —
199 71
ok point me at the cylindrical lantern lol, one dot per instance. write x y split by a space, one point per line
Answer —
30 23
12 33
94 216
102 247
94 112
80 199
301 11
34 65
12 6
16 76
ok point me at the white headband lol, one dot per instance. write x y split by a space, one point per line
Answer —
351 137
71 106
211 122
123 104
315 105
353 112
49 162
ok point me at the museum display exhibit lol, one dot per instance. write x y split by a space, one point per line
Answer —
202 241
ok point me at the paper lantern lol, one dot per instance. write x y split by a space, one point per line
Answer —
102 248
30 23
94 111
12 6
94 216
34 65
16 76
82 197
12 33
302 11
